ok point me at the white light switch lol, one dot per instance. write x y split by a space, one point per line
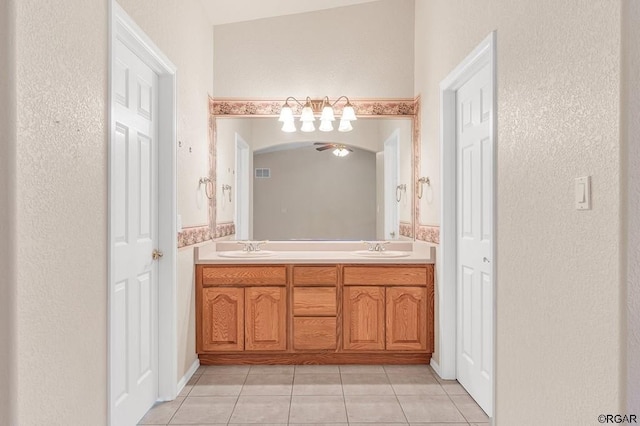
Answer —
583 193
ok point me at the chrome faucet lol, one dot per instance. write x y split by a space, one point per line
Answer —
376 245
251 246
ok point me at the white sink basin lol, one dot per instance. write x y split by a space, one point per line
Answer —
383 254
246 254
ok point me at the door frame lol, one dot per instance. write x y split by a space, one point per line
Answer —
242 158
484 54
391 180
123 28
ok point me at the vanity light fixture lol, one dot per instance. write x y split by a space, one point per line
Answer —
311 108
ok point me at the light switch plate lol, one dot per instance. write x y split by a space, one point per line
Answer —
583 193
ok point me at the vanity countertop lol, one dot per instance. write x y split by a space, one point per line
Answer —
308 252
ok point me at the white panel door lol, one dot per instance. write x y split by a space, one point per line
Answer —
474 167
134 235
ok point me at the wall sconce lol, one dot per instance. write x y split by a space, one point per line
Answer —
421 182
226 188
399 190
206 181
310 109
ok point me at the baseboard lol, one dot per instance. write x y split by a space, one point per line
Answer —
436 367
187 376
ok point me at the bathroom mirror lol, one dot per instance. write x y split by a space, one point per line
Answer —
272 185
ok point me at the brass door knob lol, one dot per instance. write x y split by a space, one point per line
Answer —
157 254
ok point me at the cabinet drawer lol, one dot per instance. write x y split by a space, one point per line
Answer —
249 275
385 275
314 333
310 301
315 275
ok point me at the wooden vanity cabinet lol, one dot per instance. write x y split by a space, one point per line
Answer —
319 314
265 319
221 320
241 308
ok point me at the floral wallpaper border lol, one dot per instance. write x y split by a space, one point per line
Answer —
193 235
269 108
406 230
430 234
225 229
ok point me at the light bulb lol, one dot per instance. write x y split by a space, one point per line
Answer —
289 126
340 152
325 126
286 114
307 114
345 126
307 126
348 113
327 114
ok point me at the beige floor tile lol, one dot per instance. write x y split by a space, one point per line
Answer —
253 424
218 385
373 408
312 409
320 424
421 369
378 424
192 381
268 384
478 424
227 369
470 409
201 369
317 369
317 384
204 409
185 390
261 409
272 369
426 409
366 384
453 388
415 384
439 424
362 369
161 412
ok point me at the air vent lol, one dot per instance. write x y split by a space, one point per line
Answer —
263 173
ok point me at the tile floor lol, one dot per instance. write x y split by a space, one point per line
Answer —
319 395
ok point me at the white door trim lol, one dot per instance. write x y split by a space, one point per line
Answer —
243 174
482 55
123 28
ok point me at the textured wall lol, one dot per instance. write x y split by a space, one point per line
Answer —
183 33
61 179
558 270
359 51
7 215
631 129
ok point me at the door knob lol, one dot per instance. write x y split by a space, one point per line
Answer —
485 260
157 254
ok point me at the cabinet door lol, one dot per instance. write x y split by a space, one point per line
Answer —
406 318
363 323
222 319
265 321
